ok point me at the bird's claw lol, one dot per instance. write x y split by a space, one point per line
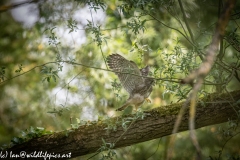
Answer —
148 100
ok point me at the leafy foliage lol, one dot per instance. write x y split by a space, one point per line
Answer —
77 85
2 73
50 73
107 147
27 135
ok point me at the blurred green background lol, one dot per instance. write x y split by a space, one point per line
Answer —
56 95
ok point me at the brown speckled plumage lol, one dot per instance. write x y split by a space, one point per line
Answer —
130 76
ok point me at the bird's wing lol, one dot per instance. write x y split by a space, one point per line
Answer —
124 69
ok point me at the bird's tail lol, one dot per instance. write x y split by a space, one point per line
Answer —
123 107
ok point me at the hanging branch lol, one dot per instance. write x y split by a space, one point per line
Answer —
199 74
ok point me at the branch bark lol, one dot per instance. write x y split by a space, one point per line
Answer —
157 123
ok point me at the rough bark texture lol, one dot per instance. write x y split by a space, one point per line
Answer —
158 122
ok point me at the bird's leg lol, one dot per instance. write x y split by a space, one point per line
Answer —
148 100
123 107
135 109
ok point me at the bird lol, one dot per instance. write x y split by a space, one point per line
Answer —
133 80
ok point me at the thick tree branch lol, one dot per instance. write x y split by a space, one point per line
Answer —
157 123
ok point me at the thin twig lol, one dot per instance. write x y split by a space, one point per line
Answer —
220 154
188 27
26 72
177 19
98 68
173 29
155 150
237 113
185 20
5 8
104 59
